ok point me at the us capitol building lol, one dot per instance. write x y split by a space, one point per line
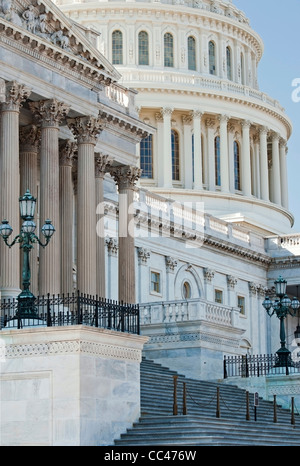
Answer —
147 117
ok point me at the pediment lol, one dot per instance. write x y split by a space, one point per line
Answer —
41 22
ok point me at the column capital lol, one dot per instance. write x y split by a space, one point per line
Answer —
49 112
186 119
223 118
282 142
30 138
246 124
86 129
102 165
15 95
125 176
67 151
166 111
210 123
263 130
275 137
197 114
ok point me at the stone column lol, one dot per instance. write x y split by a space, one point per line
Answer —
102 165
211 153
15 94
67 154
86 131
264 170
126 177
29 147
198 176
276 170
283 172
167 148
224 153
188 159
246 162
49 113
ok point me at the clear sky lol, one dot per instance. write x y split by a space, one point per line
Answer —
278 24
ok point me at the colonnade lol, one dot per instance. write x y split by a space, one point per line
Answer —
44 157
262 155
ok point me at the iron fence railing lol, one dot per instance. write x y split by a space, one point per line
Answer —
75 309
257 365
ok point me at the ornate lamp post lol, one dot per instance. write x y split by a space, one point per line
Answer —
282 306
26 238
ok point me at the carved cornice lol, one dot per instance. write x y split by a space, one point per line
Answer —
40 25
124 125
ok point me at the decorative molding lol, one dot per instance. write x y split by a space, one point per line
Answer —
171 264
59 348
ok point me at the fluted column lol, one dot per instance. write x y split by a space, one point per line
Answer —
126 177
211 154
246 162
264 170
86 131
167 148
10 184
283 172
67 154
187 147
276 170
102 165
198 175
224 153
49 113
29 147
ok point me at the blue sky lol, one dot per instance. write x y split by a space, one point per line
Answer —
278 25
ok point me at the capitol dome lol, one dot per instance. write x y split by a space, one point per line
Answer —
218 140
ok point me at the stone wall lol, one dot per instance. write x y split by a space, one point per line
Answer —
69 386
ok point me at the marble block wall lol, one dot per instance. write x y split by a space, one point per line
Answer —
69 386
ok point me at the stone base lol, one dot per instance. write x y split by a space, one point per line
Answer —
68 386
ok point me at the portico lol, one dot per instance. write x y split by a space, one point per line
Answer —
62 128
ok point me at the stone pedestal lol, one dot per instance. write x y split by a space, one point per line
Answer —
68 386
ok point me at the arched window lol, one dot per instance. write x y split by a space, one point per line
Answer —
117 48
242 69
212 57
237 166
228 62
217 162
175 155
191 53
168 50
186 290
143 48
146 157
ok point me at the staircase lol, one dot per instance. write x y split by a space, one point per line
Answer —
200 426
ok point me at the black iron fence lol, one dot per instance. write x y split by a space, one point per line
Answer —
75 309
257 365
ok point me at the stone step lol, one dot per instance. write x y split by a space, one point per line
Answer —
157 425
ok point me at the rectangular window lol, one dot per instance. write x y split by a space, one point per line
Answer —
219 296
155 282
241 304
